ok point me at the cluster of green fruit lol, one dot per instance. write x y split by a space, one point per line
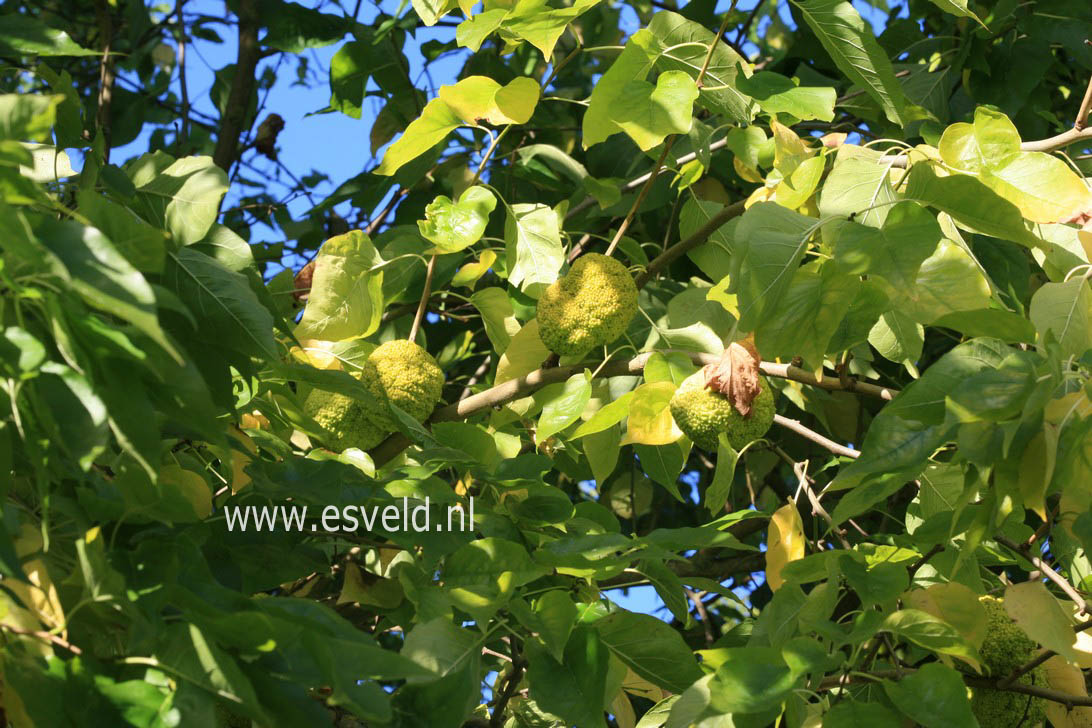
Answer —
590 306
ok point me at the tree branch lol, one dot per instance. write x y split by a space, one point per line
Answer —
513 389
698 237
1056 696
1047 570
1043 657
815 437
106 76
242 87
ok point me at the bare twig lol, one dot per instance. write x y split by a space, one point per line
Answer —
1048 572
180 37
1086 104
703 615
815 437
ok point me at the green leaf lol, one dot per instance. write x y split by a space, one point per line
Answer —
671 366
22 35
103 278
934 696
859 184
972 204
498 316
649 114
1064 310
668 586
437 120
350 69
556 614
777 94
853 714
453 226
184 198
293 28
718 492
750 680
607 416
850 42
927 631
957 7
664 463
431 11
949 280
633 64
683 45
229 312
563 404
27 117
472 32
906 432
346 298
541 26
770 241
440 648
573 688
142 245
807 314
650 648
532 235
898 338
908 236
1038 613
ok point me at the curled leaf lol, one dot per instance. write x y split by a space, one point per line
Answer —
736 375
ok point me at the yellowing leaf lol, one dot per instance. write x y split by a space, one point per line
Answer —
1038 613
1037 469
954 603
1066 678
648 114
469 274
1044 187
239 460
650 421
784 542
191 485
480 98
346 298
795 189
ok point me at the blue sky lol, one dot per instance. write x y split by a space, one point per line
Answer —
332 143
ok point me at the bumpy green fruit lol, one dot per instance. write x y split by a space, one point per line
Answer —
1006 648
399 372
703 414
588 307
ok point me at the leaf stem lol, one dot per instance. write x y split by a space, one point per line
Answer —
424 299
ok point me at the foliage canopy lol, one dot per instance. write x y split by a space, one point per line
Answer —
892 215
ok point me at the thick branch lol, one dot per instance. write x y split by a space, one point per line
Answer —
242 87
698 237
106 76
514 389
1056 696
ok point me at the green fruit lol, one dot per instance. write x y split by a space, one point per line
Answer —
589 306
397 372
1005 649
703 414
